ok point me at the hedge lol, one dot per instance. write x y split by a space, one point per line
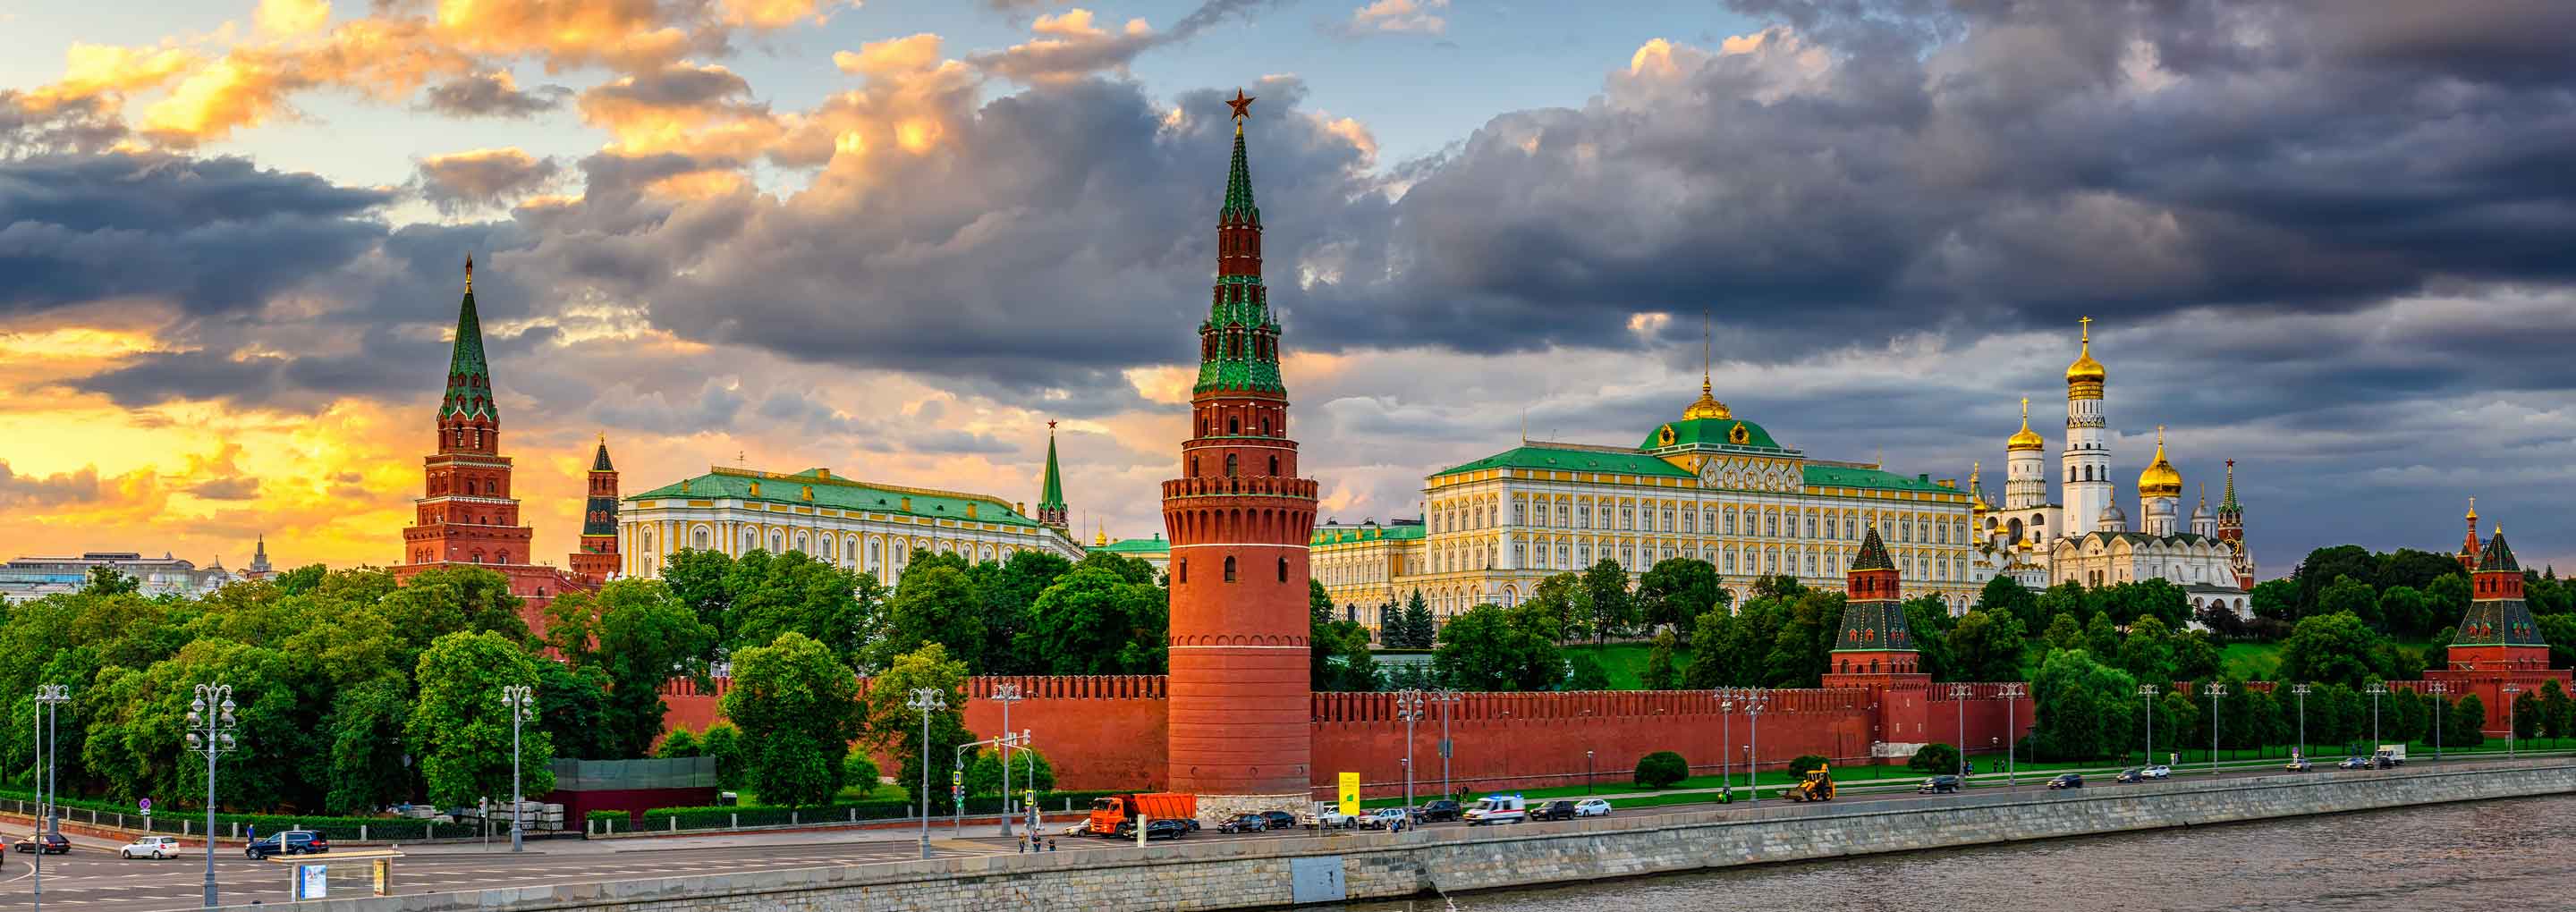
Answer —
174 820
621 817
709 818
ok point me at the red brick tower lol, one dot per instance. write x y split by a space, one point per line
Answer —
466 515
597 559
1875 650
2497 640
2469 546
1239 519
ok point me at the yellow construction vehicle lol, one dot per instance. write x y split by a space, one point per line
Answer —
1818 786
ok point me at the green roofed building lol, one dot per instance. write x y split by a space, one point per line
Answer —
1709 486
862 525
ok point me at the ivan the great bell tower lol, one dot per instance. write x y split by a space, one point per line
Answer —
1239 518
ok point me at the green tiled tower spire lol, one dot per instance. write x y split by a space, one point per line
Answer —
469 377
1873 618
1239 343
2497 614
1051 509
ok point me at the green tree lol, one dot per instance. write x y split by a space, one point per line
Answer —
679 743
2405 611
105 580
2065 598
2322 567
1930 619
2147 652
2276 600
1660 673
447 600
797 706
935 603
1614 609
1565 599
2350 596
841 609
2467 723
1803 648
723 741
458 729
366 731
859 771
1935 757
2557 711
2079 705
697 579
2195 656
2528 717
300 580
1319 603
984 772
2407 712
2179 723
1010 590
1661 769
2064 632
2101 636
1419 628
1987 647
1339 654
894 728
638 634
1092 621
1676 591
1586 673
2335 649
572 706
2446 599
1490 647
2005 595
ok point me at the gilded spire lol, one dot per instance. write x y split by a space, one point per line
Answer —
2025 439
2084 377
2160 479
1707 405
1051 490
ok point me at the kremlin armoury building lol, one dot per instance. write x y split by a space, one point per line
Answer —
1235 716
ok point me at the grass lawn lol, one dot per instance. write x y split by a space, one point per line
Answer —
2250 661
1625 663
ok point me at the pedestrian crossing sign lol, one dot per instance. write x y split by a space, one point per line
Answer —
1351 794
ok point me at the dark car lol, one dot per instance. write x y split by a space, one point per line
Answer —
1439 810
1166 828
54 844
1938 785
1244 823
2067 781
1553 810
2132 774
296 842
1280 820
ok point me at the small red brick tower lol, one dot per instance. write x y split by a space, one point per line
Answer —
2469 546
1875 650
597 559
1239 519
2497 640
2231 529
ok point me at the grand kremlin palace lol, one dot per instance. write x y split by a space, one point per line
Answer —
875 528
1708 487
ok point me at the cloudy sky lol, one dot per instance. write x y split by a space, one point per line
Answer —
2335 241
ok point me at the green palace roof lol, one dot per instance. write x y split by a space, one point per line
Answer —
828 490
1570 459
1714 432
1406 532
1154 545
1828 476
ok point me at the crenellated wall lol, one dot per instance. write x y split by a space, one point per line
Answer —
1108 732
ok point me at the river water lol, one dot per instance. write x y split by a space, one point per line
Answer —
2481 856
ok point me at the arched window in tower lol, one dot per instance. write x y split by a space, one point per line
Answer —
1229 568
1265 427
1234 427
1283 569
502 558
1229 465
1274 466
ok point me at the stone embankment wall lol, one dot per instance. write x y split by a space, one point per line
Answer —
1275 873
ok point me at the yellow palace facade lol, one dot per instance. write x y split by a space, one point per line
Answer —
1708 487
873 528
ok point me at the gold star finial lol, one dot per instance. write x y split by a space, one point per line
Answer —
469 273
1242 105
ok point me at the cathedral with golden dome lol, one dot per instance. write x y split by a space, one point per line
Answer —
2086 537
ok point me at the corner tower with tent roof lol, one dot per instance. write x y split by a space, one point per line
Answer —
1239 517
1876 651
1051 510
2497 641
598 558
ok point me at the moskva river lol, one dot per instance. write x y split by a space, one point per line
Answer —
2482 857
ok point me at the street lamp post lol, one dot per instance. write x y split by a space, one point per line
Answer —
49 701
1408 707
2012 697
2375 689
2147 696
520 700
1726 742
2441 715
923 700
210 732
1754 702
1587 772
1006 695
2216 690
1444 697
2510 689
2302 691
1959 710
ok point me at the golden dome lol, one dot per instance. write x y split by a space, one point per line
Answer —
1100 538
2025 439
1707 406
2160 479
2085 369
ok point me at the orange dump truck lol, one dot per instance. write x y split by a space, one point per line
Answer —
1116 815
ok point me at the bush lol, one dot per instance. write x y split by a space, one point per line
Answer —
1934 758
174 820
620 819
1662 769
1806 763
724 742
859 771
715 818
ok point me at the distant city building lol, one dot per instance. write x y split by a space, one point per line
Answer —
2089 540
1156 550
860 525
259 568
466 515
36 577
1360 565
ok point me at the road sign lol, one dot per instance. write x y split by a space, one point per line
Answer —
1351 794
312 881
147 805
957 778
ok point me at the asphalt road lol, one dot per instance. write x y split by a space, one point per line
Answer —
93 879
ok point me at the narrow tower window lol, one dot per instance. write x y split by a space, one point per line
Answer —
1274 466
1229 465
1283 569
1229 569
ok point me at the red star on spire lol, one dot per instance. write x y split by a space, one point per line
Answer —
1241 103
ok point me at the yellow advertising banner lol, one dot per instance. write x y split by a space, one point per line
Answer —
1351 794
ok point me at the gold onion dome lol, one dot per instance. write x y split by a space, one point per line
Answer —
2160 479
1707 406
2085 369
2026 439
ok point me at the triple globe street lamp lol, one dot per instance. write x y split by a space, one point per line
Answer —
210 732
520 701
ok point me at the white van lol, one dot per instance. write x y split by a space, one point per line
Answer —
1497 809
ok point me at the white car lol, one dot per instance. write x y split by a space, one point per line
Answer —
2158 771
150 847
1385 818
1592 807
